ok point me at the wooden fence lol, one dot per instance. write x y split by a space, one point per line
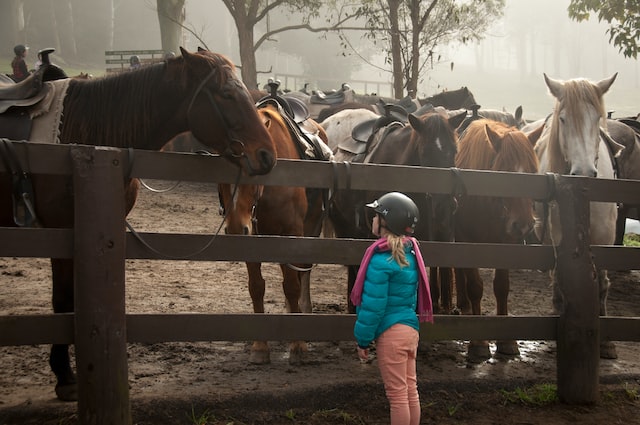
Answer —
100 327
118 60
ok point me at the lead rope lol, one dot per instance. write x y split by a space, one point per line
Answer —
188 256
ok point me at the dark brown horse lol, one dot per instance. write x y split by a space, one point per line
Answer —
143 109
493 146
276 210
428 140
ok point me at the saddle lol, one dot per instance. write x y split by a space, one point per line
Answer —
296 116
331 98
407 103
362 133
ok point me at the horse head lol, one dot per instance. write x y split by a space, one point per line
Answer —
221 113
574 138
494 146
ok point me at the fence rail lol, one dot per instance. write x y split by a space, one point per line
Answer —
97 171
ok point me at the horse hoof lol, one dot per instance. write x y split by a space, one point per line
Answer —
608 350
67 392
477 352
297 355
507 347
259 357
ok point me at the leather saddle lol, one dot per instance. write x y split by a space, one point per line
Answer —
331 98
362 133
407 103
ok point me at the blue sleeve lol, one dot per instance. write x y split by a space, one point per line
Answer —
374 299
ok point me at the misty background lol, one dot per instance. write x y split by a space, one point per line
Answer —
504 70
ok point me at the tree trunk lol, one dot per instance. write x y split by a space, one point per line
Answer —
171 19
249 69
414 71
396 46
64 29
10 26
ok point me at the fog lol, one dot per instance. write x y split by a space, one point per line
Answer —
504 70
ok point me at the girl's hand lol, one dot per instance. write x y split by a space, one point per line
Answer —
363 354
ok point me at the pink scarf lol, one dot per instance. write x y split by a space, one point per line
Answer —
425 309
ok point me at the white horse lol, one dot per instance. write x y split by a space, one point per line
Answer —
339 126
571 144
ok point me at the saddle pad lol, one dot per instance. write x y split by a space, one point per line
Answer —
47 114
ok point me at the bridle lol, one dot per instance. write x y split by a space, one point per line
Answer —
234 146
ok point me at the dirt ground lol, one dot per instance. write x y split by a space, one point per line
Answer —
213 383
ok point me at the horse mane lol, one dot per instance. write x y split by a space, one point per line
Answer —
118 110
476 151
576 94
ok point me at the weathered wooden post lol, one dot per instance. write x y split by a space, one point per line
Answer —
579 324
99 253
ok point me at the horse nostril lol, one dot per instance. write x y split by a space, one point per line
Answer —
226 231
266 158
246 231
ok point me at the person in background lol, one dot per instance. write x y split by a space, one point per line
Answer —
391 286
18 64
134 62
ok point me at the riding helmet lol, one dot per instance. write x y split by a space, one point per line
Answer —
19 49
399 212
134 60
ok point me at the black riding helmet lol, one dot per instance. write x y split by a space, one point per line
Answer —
19 49
399 212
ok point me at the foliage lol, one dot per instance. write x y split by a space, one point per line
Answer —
623 17
410 31
631 239
538 395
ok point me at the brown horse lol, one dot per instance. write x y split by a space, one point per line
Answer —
143 109
494 146
428 140
276 210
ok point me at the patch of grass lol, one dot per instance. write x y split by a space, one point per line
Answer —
538 395
290 414
337 414
202 419
631 392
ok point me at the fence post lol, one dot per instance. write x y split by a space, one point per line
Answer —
99 273
578 325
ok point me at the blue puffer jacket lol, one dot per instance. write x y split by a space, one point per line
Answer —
389 296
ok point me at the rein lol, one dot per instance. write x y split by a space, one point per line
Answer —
230 140
184 257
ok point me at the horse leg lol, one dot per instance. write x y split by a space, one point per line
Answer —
501 287
607 348
62 273
352 272
462 297
445 276
260 349
434 286
305 292
478 350
291 287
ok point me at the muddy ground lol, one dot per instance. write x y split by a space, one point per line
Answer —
213 383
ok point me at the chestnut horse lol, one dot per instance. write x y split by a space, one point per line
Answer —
494 146
276 210
572 143
427 140
143 109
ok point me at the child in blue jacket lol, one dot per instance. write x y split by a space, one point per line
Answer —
391 286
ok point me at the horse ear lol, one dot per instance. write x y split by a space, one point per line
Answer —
518 114
456 120
184 52
535 135
494 137
555 86
603 85
415 122
200 49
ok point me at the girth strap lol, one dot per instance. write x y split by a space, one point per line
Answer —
24 213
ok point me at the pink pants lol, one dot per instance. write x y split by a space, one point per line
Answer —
396 350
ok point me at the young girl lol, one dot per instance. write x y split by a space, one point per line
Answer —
18 64
390 288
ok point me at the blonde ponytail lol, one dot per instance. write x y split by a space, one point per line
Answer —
396 244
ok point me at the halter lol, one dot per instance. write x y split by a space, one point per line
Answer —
230 140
